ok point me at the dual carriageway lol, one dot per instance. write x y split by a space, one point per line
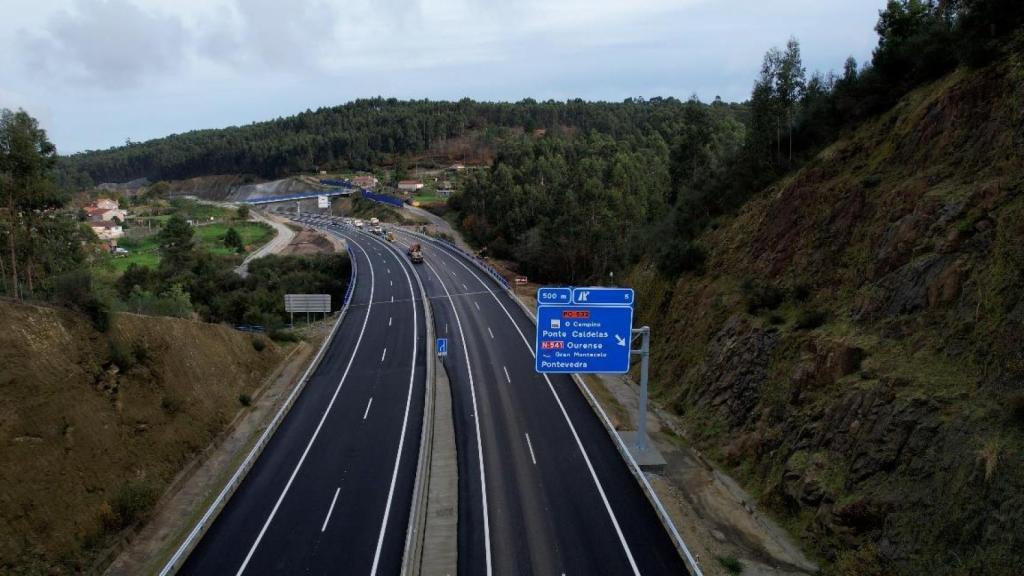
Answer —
542 486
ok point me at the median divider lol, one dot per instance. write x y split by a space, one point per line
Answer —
201 527
634 468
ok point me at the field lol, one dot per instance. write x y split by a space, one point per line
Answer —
145 251
212 236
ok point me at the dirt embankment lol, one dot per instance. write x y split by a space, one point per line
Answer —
854 351
94 426
309 241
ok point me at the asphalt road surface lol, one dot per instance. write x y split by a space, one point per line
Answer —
331 492
542 488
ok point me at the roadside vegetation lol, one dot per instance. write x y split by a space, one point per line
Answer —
643 185
181 253
832 270
220 230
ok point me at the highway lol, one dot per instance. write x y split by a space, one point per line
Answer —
331 492
542 488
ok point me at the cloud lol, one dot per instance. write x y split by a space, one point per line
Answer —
270 35
109 43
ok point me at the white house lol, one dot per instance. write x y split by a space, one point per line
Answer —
410 185
104 210
364 181
107 230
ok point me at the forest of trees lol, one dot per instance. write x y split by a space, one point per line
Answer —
558 204
358 135
608 183
48 255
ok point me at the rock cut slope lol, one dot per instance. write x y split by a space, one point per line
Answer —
855 352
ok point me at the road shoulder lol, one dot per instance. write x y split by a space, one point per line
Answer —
199 483
716 518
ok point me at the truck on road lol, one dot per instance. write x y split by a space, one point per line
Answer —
415 253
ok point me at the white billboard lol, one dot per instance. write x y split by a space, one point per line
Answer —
322 202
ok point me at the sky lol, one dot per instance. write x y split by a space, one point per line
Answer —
99 72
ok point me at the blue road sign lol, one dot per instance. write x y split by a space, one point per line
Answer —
442 346
603 296
547 296
585 338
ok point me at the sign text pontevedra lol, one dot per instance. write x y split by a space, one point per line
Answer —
585 330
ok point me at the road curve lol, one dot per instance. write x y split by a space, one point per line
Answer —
553 494
279 242
333 489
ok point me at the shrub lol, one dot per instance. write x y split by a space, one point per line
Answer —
133 501
245 399
121 354
170 405
761 296
282 335
75 289
259 344
810 319
801 292
731 565
1016 407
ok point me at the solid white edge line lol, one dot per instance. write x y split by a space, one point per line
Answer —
565 414
331 509
316 432
530 446
623 450
476 421
232 484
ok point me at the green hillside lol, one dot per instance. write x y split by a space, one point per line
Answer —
854 351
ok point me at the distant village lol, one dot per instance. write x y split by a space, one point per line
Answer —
105 217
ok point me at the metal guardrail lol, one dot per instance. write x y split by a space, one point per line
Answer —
491 270
631 463
414 535
182 552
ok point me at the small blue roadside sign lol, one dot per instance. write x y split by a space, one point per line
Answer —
442 346
546 296
584 330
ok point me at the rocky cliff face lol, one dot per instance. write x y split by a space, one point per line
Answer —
856 351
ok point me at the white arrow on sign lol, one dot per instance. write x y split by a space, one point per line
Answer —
620 340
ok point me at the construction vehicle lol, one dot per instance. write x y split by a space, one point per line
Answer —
415 253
